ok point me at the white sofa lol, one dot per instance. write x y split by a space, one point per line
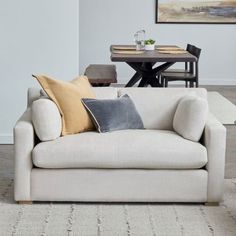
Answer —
151 165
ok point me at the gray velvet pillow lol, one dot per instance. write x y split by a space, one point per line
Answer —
113 114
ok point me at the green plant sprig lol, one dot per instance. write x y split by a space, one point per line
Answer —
149 42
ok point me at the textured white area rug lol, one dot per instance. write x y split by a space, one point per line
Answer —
222 108
116 219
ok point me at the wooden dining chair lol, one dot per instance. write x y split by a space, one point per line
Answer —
189 74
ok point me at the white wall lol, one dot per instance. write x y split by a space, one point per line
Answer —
39 37
107 22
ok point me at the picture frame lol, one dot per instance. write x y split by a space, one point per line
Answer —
210 12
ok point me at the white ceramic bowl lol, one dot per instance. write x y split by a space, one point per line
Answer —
150 47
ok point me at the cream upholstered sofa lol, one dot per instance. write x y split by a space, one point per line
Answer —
151 165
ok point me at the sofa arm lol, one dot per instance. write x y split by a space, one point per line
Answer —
214 139
23 146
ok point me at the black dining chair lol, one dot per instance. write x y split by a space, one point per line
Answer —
189 48
186 67
189 74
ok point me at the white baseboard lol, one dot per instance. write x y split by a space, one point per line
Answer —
6 139
218 81
202 81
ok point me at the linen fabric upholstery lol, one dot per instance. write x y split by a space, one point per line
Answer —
24 142
190 117
46 119
33 94
113 114
119 185
67 96
100 92
157 106
105 92
214 139
145 149
116 184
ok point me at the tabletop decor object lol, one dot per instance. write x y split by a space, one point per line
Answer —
139 39
167 48
173 51
125 48
149 45
128 52
198 11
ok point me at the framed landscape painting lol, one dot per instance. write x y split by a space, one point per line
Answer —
196 11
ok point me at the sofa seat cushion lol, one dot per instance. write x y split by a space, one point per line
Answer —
143 149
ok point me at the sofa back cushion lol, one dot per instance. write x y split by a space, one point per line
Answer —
157 106
100 92
105 92
190 117
46 117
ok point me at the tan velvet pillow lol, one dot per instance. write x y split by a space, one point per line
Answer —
67 96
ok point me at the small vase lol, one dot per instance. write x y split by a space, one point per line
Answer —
150 47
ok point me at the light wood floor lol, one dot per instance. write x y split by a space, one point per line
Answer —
6 151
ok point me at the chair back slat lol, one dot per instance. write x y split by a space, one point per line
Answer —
195 51
189 49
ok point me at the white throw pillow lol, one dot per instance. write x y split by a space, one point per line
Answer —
46 119
190 117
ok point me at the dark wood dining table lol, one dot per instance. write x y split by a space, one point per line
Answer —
144 63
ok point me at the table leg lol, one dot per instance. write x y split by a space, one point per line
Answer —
137 76
155 83
147 74
143 82
157 72
162 67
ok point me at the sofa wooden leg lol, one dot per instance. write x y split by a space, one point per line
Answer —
212 204
25 202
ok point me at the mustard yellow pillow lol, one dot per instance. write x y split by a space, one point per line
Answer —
67 96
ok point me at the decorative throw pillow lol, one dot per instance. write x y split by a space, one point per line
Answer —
67 96
46 119
190 117
113 114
